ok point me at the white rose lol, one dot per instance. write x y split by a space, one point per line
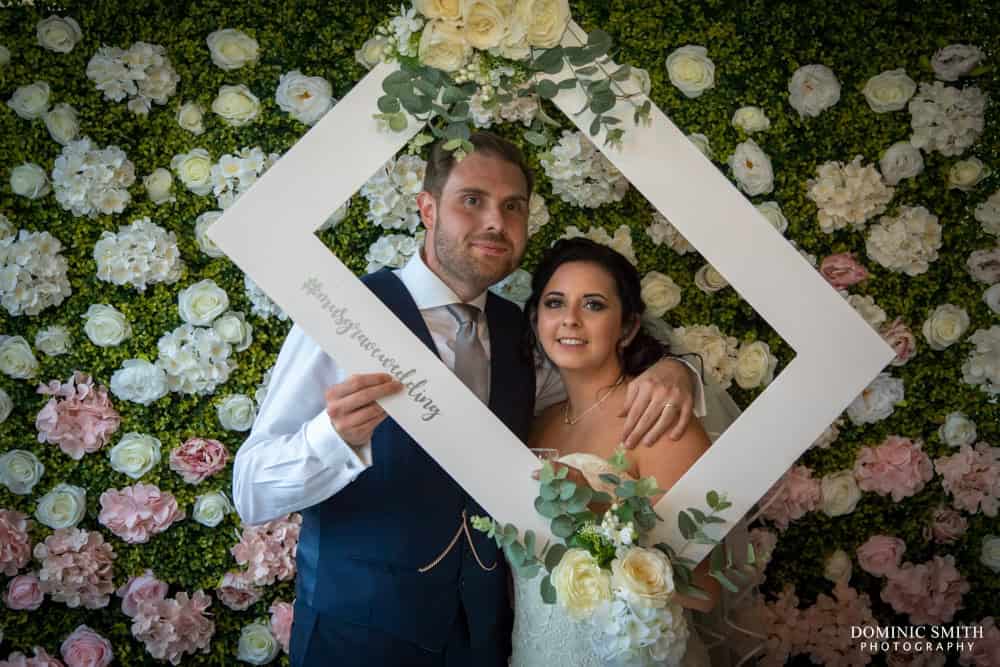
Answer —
236 412
232 327
194 168
637 82
752 168
754 365
191 117
772 211
306 98
708 280
989 554
135 454
53 340
870 311
988 214
449 10
484 25
29 180
105 325
372 51
751 119
257 645
211 508
31 101
62 123
581 585
945 326
645 575
956 60
813 89
660 293
838 567
966 174
16 359
20 470
691 70
236 105
58 34
6 405
839 493
201 225
232 49
889 91
443 46
202 302
548 21
877 401
992 298
158 185
957 430
139 381
62 507
901 160
701 143
4 55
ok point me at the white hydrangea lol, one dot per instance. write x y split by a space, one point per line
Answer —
580 174
752 168
813 89
717 351
90 180
847 194
53 340
988 214
908 242
901 160
143 74
261 305
956 60
234 174
877 401
946 119
392 193
140 254
869 311
32 273
621 241
139 381
662 231
392 250
195 359
982 368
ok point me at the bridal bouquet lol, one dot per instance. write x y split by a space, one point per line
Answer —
601 575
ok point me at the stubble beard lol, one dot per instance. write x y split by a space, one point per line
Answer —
459 262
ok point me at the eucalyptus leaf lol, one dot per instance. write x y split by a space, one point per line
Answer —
397 78
718 560
535 138
563 526
548 591
712 498
509 533
567 84
626 489
600 498
427 88
397 121
577 55
415 104
529 542
562 472
515 553
546 508
608 478
388 104
622 73
566 490
457 131
602 102
529 571
751 554
589 70
698 515
547 474
546 89
548 492
451 144
686 525
554 555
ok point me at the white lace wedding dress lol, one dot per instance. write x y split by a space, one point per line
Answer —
543 635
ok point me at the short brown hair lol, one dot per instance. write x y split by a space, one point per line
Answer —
441 162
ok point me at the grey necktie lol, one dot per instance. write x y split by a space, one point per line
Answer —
471 364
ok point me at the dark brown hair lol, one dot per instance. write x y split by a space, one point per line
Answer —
441 162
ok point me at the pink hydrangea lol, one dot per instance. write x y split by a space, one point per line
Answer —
881 555
281 623
972 477
791 497
173 627
898 467
77 568
786 628
985 652
830 621
901 339
41 659
139 589
86 648
24 593
198 458
15 544
268 550
930 592
79 417
842 270
946 525
138 511
237 591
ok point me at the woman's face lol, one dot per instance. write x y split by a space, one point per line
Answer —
580 317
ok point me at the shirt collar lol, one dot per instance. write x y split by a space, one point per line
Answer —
428 290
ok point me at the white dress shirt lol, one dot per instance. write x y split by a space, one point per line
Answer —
294 458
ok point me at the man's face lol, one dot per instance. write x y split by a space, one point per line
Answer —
478 229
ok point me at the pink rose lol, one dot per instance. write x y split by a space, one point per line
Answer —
842 270
984 265
139 589
23 593
901 339
898 467
281 623
881 555
946 526
79 417
86 648
930 593
791 497
41 659
138 511
198 458
983 652
237 591
15 544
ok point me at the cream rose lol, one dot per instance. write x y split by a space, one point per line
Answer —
29 180
581 585
646 576
448 10
305 98
772 211
483 24
257 644
236 412
957 430
53 340
945 326
191 117
708 280
62 507
105 325
211 508
16 359
232 49
965 175
889 91
660 293
135 454
839 493
443 46
58 34
202 302
20 470
752 168
194 168
838 567
751 119
901 160
372 51
989 554
232 327
31 101
547 22
754 365
158 185
236 105
201 225
691 70
62 124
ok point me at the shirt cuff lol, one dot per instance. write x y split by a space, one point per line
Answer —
331 448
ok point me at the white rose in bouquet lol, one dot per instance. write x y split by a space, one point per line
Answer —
202 302
484 25
105 325
813 89
754 365
139 381
211 508
957 430
965 175
31 101
772 211
751 119
20 470
372 51
236 105
59 34
645 575
135 454
232 49
62 507
956 60
449 10
752 168
581 585
62 123
691 70
201 225
16 359
548 21
443 46
236 412
660 293
158 185
257 644
945 326
839 493
191 117
29 180
305 98
889 91
53 340
901 160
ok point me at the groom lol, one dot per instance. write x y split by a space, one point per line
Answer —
389 572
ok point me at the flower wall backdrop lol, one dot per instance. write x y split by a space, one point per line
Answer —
133 354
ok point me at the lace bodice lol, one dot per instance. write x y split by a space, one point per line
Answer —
543 635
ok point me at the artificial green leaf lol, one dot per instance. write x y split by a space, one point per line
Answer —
562 472
567 84
388 104
427 88
546 508
548 591
550 61
590 70
535 138
600 498
566 490
577 55
509 533
548 492
415 104
460 110
546 89
712 497
563 526
686 525
457 131
714 519
529 571
626 489
554 555
397 78
580 500
598 39
698 515
610 120
601 103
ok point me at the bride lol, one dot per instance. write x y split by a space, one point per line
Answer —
585 311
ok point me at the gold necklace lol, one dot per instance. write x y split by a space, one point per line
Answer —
570 422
